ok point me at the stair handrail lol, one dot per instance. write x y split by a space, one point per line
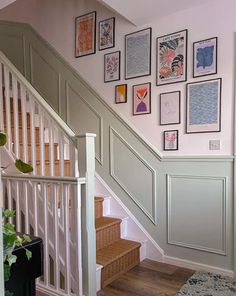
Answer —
38 97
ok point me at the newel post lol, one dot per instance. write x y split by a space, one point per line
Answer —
86 162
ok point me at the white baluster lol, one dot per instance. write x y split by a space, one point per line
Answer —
32 134
42 142
1 99
56 238
16 117
8 109
24 125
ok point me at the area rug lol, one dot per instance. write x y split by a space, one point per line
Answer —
208 284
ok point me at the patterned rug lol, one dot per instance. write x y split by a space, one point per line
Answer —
208 284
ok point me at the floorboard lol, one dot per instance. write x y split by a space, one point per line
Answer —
149 278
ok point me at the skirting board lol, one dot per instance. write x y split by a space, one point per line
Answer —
197 266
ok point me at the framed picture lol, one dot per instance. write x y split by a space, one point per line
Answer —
138 53
112 66
204 106
205 57
106 34
171 140
121 93
142 99
172 58
170 108
85 34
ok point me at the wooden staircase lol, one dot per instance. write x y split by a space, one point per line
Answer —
116 255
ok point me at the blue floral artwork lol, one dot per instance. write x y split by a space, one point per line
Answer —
107 33
205 57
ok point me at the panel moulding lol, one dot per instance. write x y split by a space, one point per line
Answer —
151 216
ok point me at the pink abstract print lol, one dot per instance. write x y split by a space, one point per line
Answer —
141 99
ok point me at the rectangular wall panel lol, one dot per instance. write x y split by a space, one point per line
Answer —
197 212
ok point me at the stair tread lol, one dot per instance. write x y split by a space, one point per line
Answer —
104 222
115 251
99 199
56 161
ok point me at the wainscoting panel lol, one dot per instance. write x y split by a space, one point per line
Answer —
197 212
138 179
85 119
41 73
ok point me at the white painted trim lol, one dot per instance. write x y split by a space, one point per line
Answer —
196 266
5 3
152 241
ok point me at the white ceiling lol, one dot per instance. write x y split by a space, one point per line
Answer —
141 12
4 3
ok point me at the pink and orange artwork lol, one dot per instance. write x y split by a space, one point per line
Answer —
85 27
142 99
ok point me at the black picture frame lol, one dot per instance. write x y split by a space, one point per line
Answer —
79 53
132 58
142 86
106 75
125 93
209 42
100 47
169 108
172 63
209 127
175 146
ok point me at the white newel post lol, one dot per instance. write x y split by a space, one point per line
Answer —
86 159
1 239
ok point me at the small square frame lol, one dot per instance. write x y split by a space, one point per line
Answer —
203 108
112 66
171 58
121 93
170 108
171 140
205 57
106 36
85 34
138 53
142 99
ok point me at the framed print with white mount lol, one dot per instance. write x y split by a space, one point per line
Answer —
170 108
112 66
106 34
172 58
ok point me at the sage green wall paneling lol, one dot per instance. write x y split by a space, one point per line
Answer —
138 179
83 118
196 195
44 78
197 212
12 45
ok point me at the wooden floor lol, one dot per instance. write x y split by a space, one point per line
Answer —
149 278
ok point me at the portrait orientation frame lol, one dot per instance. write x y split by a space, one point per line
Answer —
106 37
112 66
203 106
85 34
138 47
171 58
171 140
205 57
170 106
142 98
121 93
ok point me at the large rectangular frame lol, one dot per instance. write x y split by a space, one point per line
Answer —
85 34
171 58
138 53
203 107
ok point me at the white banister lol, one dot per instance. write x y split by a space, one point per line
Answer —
86 157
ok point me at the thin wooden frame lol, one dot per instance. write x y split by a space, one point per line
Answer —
85 34
112 66
170 106
121 93
138 53
106 35
205 57
203 107
171 140
142 92
171 58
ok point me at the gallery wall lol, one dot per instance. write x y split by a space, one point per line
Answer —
54 21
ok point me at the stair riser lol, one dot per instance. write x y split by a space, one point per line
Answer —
37 135
119 266
98 209
107 236
56 169
19 120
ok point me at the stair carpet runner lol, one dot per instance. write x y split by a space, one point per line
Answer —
116 255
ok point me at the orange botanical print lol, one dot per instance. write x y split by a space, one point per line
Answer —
85 38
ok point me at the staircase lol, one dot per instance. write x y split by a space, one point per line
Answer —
116 255
33 137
